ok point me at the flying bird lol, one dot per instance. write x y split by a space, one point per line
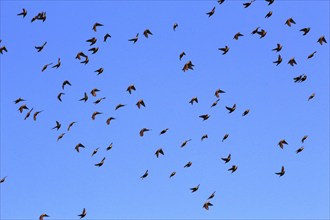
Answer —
92 41
300 78
19 100
58 63
282 172
233 168
292 62
187 66
83 214
172 174
270 1
106 36
59 96
322 40
204 117
23 13
109 147
305 30
282 142
175 25
28 114
109 120
231 109
304 138
85 61
94 50
60 136
71 124
227 159
40 48
299 150
225 137
181 55
221 1
185 143
97 25
188 165
36 114
45 67
80 54
247 4
3 179
237 35
215 103
278 48
78 146
207 204
130 88
94 91
66 82
210 13
269 14
57 126
204 137
159 151
255 30
246 112
194 189
146 33
22 107
145 175
311 96
95 151
101 163
143 130
95 113
194 99
262 33
224 49
135 39
85 98
290 21
140 103
279 60
41 217
99 100
164 131
311 55
119 106
217 92
212 195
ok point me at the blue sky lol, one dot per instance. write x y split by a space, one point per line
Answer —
46 176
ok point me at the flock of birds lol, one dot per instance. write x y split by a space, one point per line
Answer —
84 59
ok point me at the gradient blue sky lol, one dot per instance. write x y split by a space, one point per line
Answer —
46 176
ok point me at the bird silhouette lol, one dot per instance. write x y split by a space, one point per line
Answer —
227 159
135 39
85 98
187 165
97 25
58 63
28 114
210 13
207 204
59 96
188 66
172 174
204 137
255 30
237 35
224 49
281 143
205 117
99 100
94 50
45 67
218 92
270 1
95 151
164 131
83 214
181 55
145 175
85 61
246 112
80 54
282 172
3 179
95 113
94 91
262 33
119 106
311 96
78 146
233 168
194 189
304 138
220 1
305 30
146 33
19 100
71 124
211 196
22 107
41 217
140 103
185 143
311 55
292 62
269 14
225 137
322 40
106 36
23 13
60 136
215 103
109 120
143 130
299 150
130 88
247 4
40 48
290 21
92 41
231 109
159 151
57 126
194 99
109 147
279 60
175 25
100 163
278 48
300 78
36 114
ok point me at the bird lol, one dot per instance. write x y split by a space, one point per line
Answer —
58 63
270 1
304 138
135 39
290 21
85 61
231 109
311 96
109 120
227 159
78 146
194 189
19 100
322 40
130 88
95 151
40 48
188 165
159 151
94 91
233 168
181 55
143 130
45 67
279 60
187 66
60 136
299 150
59 96
57 126
99 100
217 92
119 106
22 107
220 1
269 14
109 147
94 50
23 13
282 172
41 217
278 48
28 114
185 143
246 112
83 214
262 33
305 30
3 179
164 131
299 78
247 4
146 33
97 25
71 124
194 99
207 204
80 54
282 142
225 137
255 30
210 13
92 41
145 175
175 25
35 115
100 163
85 98
205 117
172 174
106 36
204 137
311 55
292 61
140 103
215 103
95 113
237 35
224 49
212 195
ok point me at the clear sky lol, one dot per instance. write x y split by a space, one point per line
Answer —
49 176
